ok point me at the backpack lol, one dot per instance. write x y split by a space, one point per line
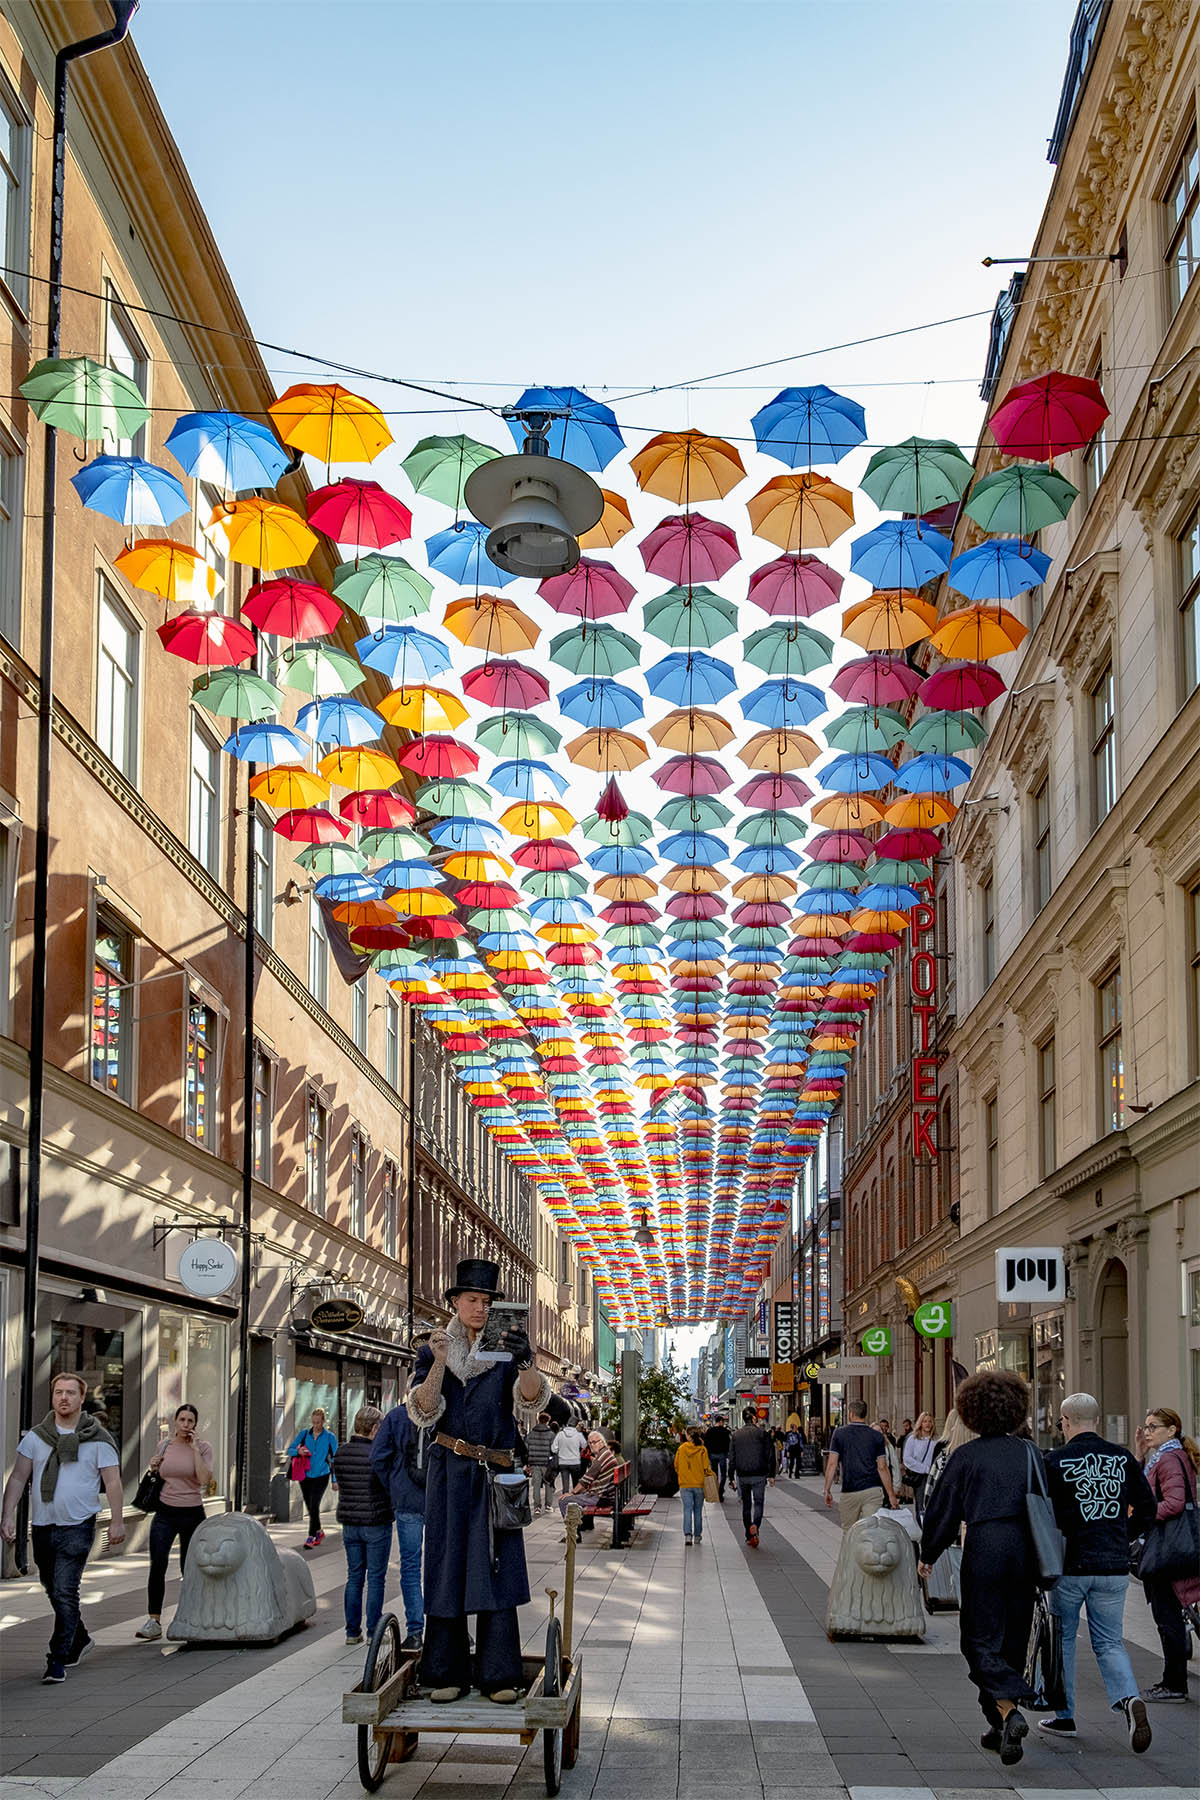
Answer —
415 1447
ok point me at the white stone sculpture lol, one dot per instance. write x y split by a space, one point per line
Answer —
875 1592
238 1588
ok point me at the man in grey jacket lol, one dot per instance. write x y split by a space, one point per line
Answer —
753 1457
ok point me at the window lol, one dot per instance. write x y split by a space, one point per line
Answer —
118 652
987 910
264 877
392 1043
318 954
204 800
1043 880
1095 454
1112 1062
124 350
358 1182
12 506
315 1154
1193 926
208 498
1047 1105
264 1071
14 195
112 1008
358 1014
9 846
991 1152
1181 203
391 1231
1189 599
1103 728
200 1074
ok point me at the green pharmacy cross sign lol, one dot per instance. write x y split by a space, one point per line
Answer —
934 1319
878 1341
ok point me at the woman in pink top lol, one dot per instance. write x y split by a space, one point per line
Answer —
185 1463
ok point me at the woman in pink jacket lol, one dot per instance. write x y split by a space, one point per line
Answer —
1171 1462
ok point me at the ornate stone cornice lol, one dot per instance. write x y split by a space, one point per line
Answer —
977 847
1027 751
1085 627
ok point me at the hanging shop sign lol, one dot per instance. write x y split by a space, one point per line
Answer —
336 1315
783 1377
847 1367
923 998
1030 1274
208 1266
934 1319
878 1341
812 1371
785 1331
757 1365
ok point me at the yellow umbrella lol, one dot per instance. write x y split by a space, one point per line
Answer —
974 633
477 868
537 819
627 887
289 786
327 421
263 534
567 934
614 522
779 750
423 709
801 512
820 925
764 887
420 903
489 623
360 769
615 751
692 729
694 881
890 620
848 812
171 570
686 466
920 812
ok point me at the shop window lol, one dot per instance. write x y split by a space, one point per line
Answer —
264 876
12 507
112 1007
1047 1108
1103 729
391 1216
991 1153
264 1114
1049 1377
1181 207
359 1013
200 1075
987 927
391 1061
193 1370
1191 1320
358 1183
1193 951
204 800
124 350
97 1355
1043 882
1188 552
1095 455
316 1154
318 953
1110 1054
118 657
14 194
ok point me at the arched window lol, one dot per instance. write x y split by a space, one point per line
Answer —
887 1212
945 1170
907 1226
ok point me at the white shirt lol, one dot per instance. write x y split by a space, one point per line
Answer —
918 1453
77 1492
568 1446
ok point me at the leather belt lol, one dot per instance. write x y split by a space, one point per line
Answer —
479 1453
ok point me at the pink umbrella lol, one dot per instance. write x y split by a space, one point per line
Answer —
839 846
591 590
770 793
437 755
696 906
692 775
1048 415
795 586
506 685
761 912
876 680
961 685
360 513
546 853
628 912
689 549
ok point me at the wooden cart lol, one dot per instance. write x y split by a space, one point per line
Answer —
390 1712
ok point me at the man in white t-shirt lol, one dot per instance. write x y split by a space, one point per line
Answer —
69 1457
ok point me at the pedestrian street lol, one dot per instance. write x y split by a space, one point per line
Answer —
707 1676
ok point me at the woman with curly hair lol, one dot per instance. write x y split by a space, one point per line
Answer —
983 1486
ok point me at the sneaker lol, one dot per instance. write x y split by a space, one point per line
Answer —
991 1739
444 1696
1058 1727
1140 1734
320 1538
354 1637
414 1641
150 1630
1013 1730
77 1654
55 1672
310 1543
1159 1692
752 1540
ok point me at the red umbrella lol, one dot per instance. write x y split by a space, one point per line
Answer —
546 853
591 590
433 928
291 609
436 755
692 775
688 549
961 685
839 846
871 940
380 937
208 639
876 680
1048 415
360 513
905 846
696 906
506 685
488 894
375 809
770 793
311 825
795 586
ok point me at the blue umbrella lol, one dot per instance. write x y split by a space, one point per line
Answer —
784 704
412 871
131 490
766 859
345 723
459 553
931 774
588 435
399 650
348 889
518 777
851 774
826 900
900 553
227 451
621 859
562 912
475 837
691 679
694 847
806 425
601 704
267 744
998 570
886 896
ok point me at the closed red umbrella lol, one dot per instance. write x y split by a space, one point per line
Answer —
208 639
291 609
359 513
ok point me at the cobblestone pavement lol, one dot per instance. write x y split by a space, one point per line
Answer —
707 1676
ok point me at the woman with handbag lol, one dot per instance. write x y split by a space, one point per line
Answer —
317 1445
694 1471
986 1486
917 1458
183 1463
1170 1562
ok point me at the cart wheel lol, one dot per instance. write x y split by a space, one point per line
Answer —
383 1659
571 1733
552 1741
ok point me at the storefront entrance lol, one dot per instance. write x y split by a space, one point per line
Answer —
1112 1351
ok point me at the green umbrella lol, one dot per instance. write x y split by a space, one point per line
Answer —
404 959
79 395
832 876
863 959
382 590
770 828
694 811
694 617
319 669
452 799
438 467
632 937
808 965
497 918
331 859
393 844
1022 499
634 829
917 476
595 650
891 870
945 733
554 884
863 730
517 734
236 694
788 648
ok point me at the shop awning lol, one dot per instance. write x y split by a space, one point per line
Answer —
354 1344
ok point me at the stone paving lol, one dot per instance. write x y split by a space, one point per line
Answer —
707 1676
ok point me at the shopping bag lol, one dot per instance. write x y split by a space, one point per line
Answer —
300 1466
943 1589
711 1489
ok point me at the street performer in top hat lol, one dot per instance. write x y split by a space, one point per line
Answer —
472 1409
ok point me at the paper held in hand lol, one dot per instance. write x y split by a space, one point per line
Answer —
503 1315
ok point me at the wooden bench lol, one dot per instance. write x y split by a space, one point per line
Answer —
629 1506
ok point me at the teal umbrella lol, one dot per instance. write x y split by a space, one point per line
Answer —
917 476
1021 499
236 694
87 398
840 875
393 844
382 590
554 884
770 828
635 828
319 669
693 618
595 650
453 799
693 811
891 870
438 467
864 730
331 859
788 648
945 733
517 734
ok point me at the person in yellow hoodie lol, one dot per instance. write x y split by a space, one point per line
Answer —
691 1466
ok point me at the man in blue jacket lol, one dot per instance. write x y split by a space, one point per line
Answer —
398 1455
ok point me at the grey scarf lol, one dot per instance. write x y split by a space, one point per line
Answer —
64 1446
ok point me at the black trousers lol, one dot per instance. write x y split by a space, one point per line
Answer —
997 1611
754 1488
60 1552
169 1523
446 1656
1168 1616
313 1488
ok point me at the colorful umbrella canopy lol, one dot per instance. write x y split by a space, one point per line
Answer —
795 586
207 638
801 512
131 490
227 451
488 623
806 425
976 633
233 693
316 669
438 467
506 684
383 590
876 680
358 512
683 466
585 432
917 476
900 553
460 553
689 548
613 524
1021 499
596 649
998 570
326 421
264 534
402 653
788 648
87 398
291 609
173 571
1049 415
694 616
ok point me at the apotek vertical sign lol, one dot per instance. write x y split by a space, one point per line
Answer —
923 992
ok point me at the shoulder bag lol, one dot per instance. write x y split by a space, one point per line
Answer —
1047 1540
148 1490
1172 1546
509 1502
301 1463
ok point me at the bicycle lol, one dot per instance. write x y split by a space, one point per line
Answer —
1043 1659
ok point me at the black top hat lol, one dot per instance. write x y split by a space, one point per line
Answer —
476 1276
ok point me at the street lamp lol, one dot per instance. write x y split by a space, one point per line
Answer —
644 1235
537 505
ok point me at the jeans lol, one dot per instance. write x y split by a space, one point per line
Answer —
60 1552
569 1474
410 1530
313 1489
1104 1597
753 1488
367 1549
720 1465
541 1486
693 1511
169 1523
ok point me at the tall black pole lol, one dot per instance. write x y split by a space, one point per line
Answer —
412 1169
241 1446
123 11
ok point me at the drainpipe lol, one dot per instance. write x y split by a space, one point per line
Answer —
123 11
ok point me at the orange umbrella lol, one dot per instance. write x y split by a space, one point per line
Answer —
169 569
764 887
820 925
779 750
848 812
360 769
627 887
327 421
491 624
889 620
613 751
801 512
867 919
694 881
686 466
364 912
975 633
614 522
423 709
920 812
263 534
289 785
692 729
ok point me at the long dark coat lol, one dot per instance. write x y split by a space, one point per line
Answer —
464 1573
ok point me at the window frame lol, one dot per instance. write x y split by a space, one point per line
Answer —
263 852
110 601
318 958
201 1073
262 1118
392 1043
1188 540
1047 1104
1042 841
119 321
987 936
360 1014
316 1153
207 854
123 979
390 1224
18 172
991 1152
359 1168
12 538
1102 743
1110 1051
1185 227
208 498
1192 924
1095 451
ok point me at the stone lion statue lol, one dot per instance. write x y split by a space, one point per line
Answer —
238 1588
875 1592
